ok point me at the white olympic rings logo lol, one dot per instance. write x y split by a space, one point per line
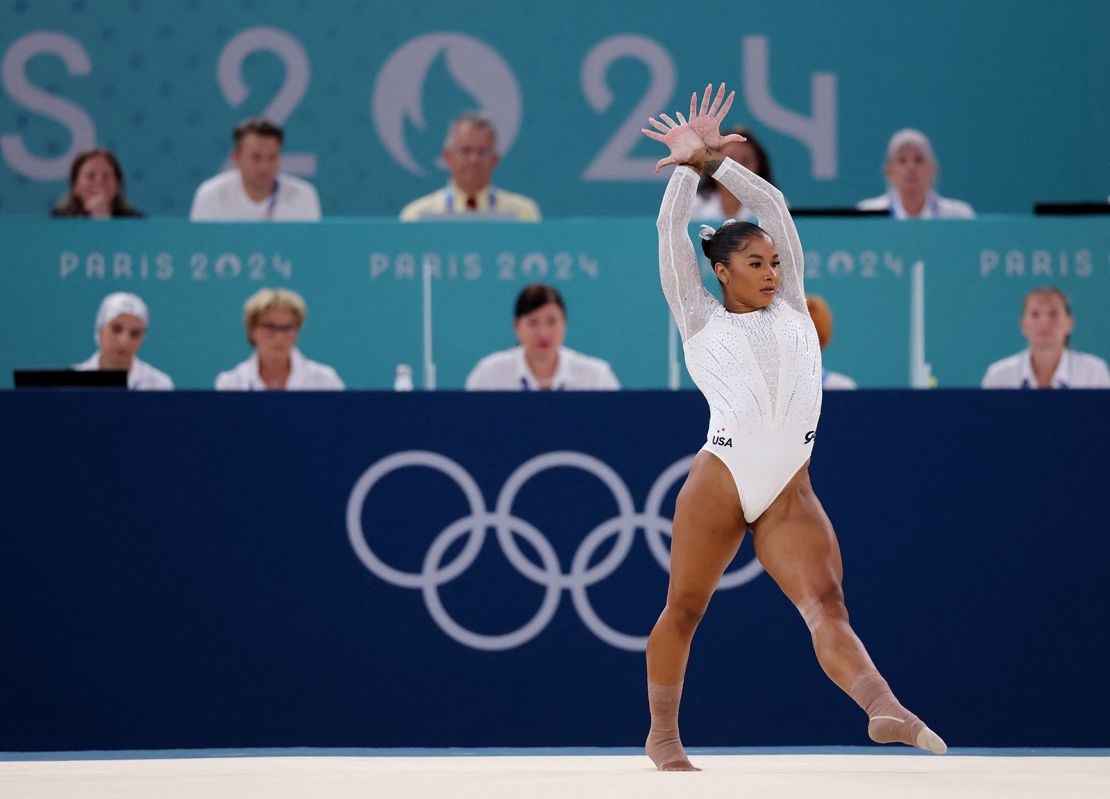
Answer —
581 576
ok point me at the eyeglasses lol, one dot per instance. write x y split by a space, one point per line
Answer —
484 153
273 330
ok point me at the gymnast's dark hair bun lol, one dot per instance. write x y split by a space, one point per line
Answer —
730 237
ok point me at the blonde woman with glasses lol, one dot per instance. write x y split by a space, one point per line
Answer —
273 319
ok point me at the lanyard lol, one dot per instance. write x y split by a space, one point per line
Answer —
1026 383
1030 382
525 387
934 208
271 204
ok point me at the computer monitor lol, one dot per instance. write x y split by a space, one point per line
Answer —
833 211
69 378
1072 209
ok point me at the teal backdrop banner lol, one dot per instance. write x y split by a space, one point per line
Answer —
1012 92
371 284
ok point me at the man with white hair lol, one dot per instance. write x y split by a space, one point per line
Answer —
470 153
911 172
120 328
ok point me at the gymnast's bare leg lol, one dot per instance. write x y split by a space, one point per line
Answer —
795 542
707 531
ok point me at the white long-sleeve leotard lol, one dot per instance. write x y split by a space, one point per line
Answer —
760 372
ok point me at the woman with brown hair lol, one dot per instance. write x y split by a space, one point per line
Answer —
714 201
1047 324
96 187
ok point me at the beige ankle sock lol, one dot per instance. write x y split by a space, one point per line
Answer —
888 720
663 745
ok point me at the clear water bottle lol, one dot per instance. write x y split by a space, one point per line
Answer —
403 380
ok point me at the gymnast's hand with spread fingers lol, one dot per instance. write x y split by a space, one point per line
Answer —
693 142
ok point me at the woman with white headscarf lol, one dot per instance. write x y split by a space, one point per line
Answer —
121 325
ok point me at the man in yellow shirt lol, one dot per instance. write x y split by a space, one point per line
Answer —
470 153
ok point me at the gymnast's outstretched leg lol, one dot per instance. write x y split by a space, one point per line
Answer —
708 528
795 542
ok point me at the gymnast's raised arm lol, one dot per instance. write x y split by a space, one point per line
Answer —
691 304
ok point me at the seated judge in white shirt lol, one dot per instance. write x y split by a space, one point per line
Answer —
911 173
255 190
1047 324
273 319
121 324
541 361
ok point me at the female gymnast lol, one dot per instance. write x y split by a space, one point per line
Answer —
756 359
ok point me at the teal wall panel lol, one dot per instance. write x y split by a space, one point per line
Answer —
363 281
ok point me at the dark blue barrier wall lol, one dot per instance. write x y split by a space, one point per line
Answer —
176 571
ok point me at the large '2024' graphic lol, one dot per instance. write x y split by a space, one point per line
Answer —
398 96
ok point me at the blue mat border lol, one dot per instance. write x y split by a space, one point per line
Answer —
168 754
